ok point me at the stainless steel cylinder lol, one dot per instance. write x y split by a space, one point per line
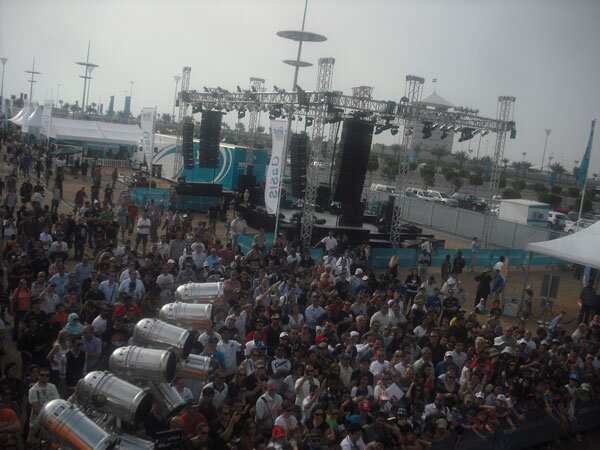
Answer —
71 428
196 367
213 293
147 364
129 442
189 315
167 399
111 395
158 334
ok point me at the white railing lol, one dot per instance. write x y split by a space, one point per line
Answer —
466 223
109 162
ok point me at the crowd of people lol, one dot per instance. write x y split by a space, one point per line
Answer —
311 352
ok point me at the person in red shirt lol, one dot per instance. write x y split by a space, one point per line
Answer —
191 418
9 422
133 214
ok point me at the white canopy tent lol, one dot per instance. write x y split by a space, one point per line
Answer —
35 117
90 131
581 248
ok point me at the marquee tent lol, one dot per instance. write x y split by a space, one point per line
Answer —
90 131
35 117
582 247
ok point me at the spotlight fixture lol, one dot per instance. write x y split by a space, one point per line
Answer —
466 134
484 132
513 129
309 121
381 128
275 88
426 130
206 89
394 131
241 114
477 131
404 99
239 89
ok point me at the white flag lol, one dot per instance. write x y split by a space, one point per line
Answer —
147 126
47 117
275 169
25 123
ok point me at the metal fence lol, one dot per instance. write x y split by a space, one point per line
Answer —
109 162
463 222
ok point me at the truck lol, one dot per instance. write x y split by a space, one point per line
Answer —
527 212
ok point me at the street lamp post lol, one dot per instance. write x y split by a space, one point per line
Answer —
177 79
33 73
548 131
88 72
3 60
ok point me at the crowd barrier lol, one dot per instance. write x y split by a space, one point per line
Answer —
537 428
409 257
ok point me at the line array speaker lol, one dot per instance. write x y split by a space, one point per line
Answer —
210 134
187 146
352 160
299 160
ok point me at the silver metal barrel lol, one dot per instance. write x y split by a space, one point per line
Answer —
167 399
213 293
129 442
193 315
158 334
196 367
71 428
147 364
111 395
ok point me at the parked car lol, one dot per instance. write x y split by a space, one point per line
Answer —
419 193
469 201
572 227
557 220
442 197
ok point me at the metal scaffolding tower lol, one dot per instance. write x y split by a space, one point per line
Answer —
184 101
256 85
324 79
504 115
413 91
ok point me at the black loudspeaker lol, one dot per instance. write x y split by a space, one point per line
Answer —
210 135
298 159
187 146
246 182
200 189
352 160
351 214
323 196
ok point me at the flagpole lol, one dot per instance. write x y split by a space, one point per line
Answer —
289 128
587 165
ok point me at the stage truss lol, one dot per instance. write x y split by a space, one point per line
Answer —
329 108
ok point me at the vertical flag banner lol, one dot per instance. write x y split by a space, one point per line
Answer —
147 126
585 162
47 117
275 169
25 123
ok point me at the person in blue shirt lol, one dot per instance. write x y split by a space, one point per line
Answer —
434 303
497 284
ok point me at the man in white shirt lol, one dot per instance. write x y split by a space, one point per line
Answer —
163 248
230 349
143 230
110 289
329 241
39 394
133 287
220 388
381 316
313 312
459 357
268 407
380 364
354 440
303 384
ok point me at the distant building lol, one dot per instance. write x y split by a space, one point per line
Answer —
434 101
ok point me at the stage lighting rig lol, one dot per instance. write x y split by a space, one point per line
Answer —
309 121
381 128
241 114
394 130
466 134
427 128
512 128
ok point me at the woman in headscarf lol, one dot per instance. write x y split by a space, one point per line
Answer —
74 326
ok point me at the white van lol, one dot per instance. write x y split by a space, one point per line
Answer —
387 189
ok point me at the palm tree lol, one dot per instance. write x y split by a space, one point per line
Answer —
439 153
559 170
462 158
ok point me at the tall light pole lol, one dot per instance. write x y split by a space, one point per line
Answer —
3 60
88 70
548 131
131 96
87 97
31 81
177 79
524 155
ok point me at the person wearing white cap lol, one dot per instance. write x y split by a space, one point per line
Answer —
355 279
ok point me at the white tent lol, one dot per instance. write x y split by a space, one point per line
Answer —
18 118
90 131
35 117
582 247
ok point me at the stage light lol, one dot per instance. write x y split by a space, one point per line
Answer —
485 132
457 129
299 118
309 121
426 130
381 128
206 89
139 363
394 131
466 134
435 125
239 89
513 129
404 99
241 114
271 117
275 88
477 131
159 334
